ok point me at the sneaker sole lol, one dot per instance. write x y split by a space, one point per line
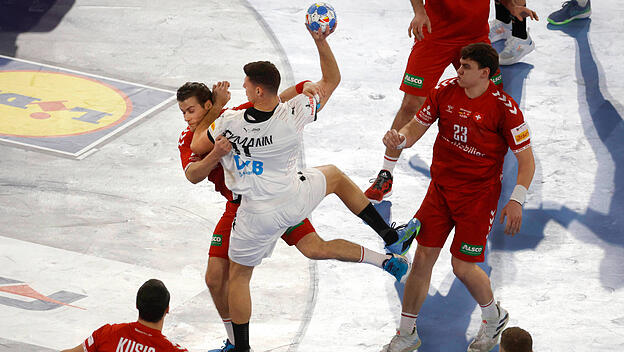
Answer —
375 201
412 348
577 17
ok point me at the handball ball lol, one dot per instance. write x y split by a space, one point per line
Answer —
319 16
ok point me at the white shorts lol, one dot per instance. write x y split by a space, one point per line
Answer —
259 224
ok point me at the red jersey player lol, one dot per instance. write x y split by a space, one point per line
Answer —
441 28
477 124
143 335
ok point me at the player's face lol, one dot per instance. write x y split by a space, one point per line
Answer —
250 90
469 73
192 111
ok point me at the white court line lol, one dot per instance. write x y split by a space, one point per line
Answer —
86 74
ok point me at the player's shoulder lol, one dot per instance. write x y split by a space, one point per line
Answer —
185 135
302 100
503 101
172 346
244 106
449 83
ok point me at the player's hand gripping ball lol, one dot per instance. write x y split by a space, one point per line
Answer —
319 16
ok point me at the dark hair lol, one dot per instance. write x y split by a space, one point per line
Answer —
263 73
152 300
194 89
484 54
516 340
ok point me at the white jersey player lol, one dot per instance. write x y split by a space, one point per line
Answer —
258 148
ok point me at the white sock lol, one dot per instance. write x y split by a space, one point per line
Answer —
389 163
582 3
372 257
407 324
489 311
227 322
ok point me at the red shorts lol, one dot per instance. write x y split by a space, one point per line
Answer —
427 63
471 212
221 236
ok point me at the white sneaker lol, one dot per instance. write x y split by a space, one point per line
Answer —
403 343
515 49
489 332
499 30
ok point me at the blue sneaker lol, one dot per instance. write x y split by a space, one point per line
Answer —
406 233
227 346
570 10
398 266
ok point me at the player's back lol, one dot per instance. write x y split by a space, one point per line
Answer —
134 337
265 147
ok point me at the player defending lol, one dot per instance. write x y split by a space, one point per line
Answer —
477 123
200 108
440 28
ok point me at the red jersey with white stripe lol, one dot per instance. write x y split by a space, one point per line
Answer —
134 337
458 21
187 156
474 134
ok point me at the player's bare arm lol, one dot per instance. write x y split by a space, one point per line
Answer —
513 209
201 144
419 22
197 171
329 66
518 9
75 349
406 137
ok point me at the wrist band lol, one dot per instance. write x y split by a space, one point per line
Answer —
402 145
299 86
519 194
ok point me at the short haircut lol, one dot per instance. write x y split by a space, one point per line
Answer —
483 54
152 300
516 340
263 73
194 89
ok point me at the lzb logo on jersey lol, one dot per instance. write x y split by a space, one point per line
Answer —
32 104
248 167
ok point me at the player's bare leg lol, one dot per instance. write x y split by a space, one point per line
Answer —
494 318
239 301
418 280
397 240
382 185
217 273
314 247
216 280
476 280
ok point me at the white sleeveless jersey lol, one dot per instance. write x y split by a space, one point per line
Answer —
262 163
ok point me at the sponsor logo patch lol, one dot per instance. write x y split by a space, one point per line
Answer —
471 250
217 240
521 133
413 81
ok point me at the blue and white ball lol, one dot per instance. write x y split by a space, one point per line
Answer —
319 16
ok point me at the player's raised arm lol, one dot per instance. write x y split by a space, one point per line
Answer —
329 66
201 144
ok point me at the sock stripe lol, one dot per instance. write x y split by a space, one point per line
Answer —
409 315
361 254
488 304
389 158
227 320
